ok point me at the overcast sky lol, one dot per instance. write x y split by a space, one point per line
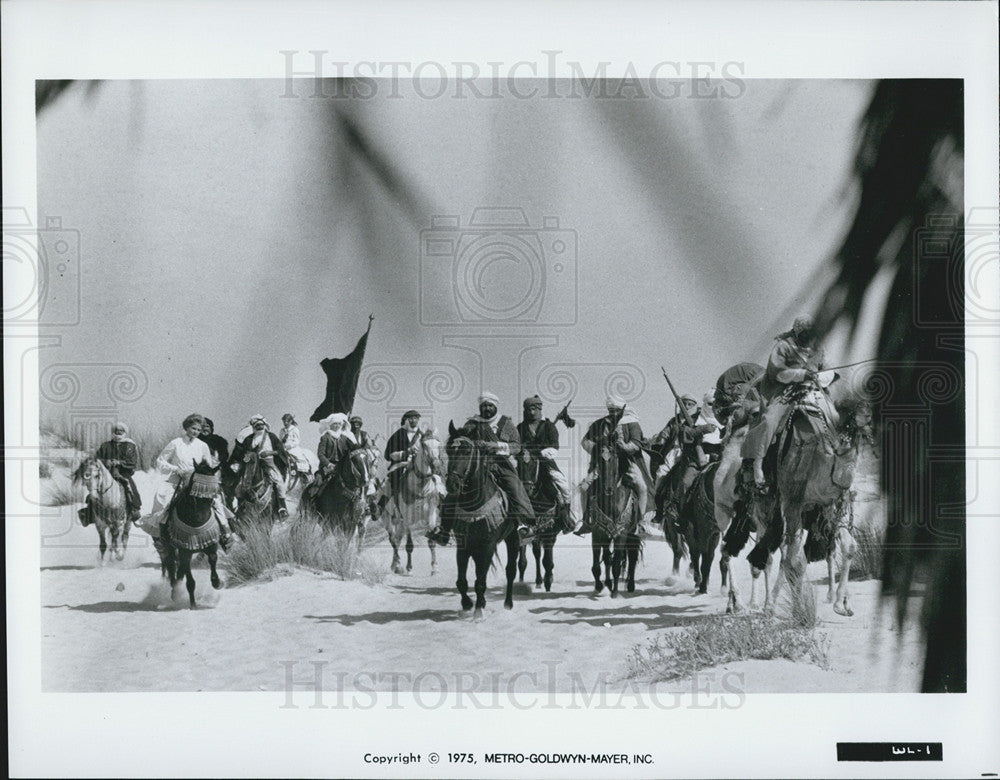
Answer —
230 238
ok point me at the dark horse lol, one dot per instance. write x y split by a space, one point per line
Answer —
613 515
538 485
698 526
192 527
339 500
481 518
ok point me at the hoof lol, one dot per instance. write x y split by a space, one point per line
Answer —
614 594
216 582
844 610
830 599
630 587
598 587
466 603
671 581
434 570
508 605
478 616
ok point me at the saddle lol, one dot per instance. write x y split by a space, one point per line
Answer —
493 512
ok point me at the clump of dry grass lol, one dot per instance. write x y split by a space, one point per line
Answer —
261 553
60 490
869 552
724 639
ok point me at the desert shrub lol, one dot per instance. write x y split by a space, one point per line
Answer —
869 552
261 554
724 639
61 491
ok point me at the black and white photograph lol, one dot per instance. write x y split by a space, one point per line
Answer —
545 404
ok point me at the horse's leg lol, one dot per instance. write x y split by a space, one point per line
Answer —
536 551
212 551
462 558
547 561
514 548
125 528
104 542
632 553
433 549
482 560
596 549
617 558
845 540
394 541
723 572
522 563
707 556
608 562
113 529
409 551
695 555
792 563
184 568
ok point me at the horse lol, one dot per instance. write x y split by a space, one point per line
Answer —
698 526
815 468
107 504
192 527
541 492
340 500
481 519
416 504
614 517
734 518
256 498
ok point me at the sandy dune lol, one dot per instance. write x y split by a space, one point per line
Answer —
250 638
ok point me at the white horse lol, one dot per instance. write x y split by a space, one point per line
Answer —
107 503
415 506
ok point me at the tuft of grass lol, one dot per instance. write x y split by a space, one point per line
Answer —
62 491
262 555
798 606
724 639
869 552
62 442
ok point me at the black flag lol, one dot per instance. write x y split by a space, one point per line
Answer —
342 380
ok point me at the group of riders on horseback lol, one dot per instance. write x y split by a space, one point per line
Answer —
514 455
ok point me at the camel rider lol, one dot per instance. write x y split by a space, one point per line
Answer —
496 434
271 453
617 435
540 440
795 358
335 444
398 451
694 454
120 456
178 460
732 387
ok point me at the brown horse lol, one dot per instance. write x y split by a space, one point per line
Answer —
481 519
415 506
107 505
340 500
613 515
534 475
192 528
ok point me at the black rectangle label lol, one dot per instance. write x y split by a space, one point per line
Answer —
889 751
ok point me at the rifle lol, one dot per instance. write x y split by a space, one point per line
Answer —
702 458
568 421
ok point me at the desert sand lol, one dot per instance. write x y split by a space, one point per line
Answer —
384 636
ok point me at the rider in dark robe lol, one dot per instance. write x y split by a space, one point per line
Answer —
271 453
539 441
497 435
694 455
218 445
619 436
398 451
731 388
120 456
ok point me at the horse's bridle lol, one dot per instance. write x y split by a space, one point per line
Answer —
473 460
